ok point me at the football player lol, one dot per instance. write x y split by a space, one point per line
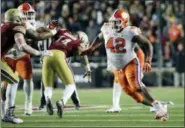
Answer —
20 61
44 45
64 45
117 87
12 32
120 40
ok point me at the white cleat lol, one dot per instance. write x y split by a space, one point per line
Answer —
152 109
28 108
161 111
114 110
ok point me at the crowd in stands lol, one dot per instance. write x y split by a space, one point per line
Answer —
161 21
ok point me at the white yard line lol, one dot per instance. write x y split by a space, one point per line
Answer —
103 115
64 120
99 108
59 126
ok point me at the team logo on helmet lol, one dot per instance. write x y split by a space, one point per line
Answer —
28 12
119 19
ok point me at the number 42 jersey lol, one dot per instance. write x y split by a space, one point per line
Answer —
119 46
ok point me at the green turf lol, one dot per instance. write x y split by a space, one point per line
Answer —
132 114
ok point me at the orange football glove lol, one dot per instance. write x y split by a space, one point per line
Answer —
147 66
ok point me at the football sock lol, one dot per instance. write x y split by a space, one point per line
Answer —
2 108
3 91
146 93
68 91
48 93
116 94
28 91
42 99
11 95
146 102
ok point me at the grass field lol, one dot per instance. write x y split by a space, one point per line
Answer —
95 102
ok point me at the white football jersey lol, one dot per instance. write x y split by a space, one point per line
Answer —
119 46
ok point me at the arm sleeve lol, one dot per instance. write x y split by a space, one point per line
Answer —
38 35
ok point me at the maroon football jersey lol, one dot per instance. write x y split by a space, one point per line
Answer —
7 35
66 42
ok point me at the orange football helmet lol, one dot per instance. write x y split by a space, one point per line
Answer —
119 19
28 12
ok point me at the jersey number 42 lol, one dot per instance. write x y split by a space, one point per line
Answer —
116 45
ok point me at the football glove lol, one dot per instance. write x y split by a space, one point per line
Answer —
46 53
53 24
147 65
88 75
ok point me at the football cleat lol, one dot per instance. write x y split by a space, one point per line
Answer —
163 117
10 117
60 108
77 106
114 110
41 107
161 111
152 109
49 107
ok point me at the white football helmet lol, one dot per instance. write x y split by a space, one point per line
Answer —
84 38
119 19
28 13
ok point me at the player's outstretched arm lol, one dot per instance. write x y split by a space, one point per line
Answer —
85 62
140 39
97 42
87 67
21 43
140 54
40 34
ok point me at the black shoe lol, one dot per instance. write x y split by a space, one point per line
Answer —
41 107
75 100
77 106
60 108
49 107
